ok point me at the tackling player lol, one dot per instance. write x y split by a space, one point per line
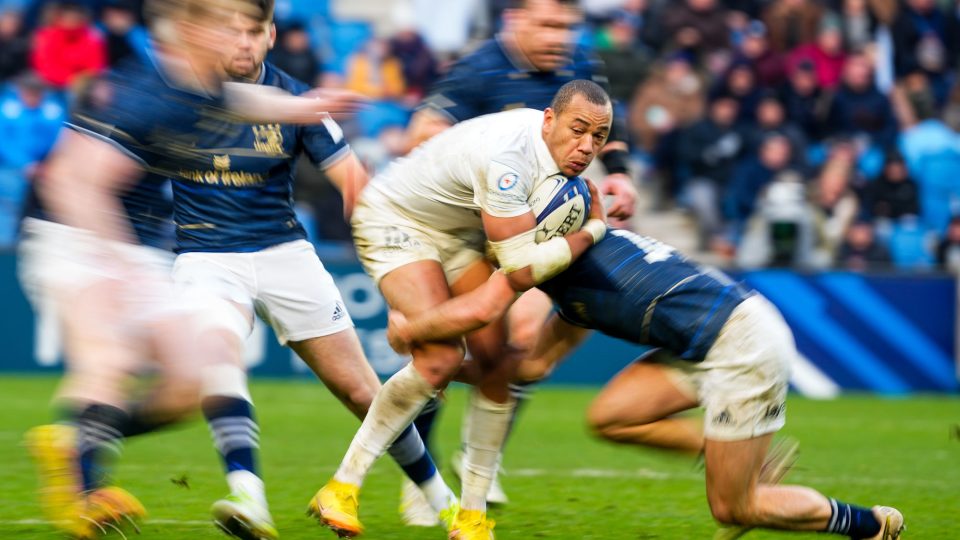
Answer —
239 238
420 229
523 66
722 346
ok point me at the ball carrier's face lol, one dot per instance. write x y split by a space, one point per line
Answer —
576 134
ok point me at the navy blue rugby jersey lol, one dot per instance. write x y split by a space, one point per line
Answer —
137 111
639 289
488 80
235 194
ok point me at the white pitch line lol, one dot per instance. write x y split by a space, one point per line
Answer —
148 522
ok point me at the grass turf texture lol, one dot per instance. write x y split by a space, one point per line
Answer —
565 485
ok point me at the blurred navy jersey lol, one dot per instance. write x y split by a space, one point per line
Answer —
641 290
135 110
237 196
488 81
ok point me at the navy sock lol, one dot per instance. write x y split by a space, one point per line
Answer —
138 423
236 434
425 421
99 442
853 521
410 453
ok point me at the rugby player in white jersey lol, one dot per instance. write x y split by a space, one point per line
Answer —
420 230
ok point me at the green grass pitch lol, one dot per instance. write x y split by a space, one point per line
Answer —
563 484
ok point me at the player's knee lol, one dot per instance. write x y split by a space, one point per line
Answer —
358 400
438 363
727 513
525 332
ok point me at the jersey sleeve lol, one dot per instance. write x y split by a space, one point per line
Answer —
506 187
458 95
324 143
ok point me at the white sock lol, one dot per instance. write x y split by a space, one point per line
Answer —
393 409
488 423
247 483
438 494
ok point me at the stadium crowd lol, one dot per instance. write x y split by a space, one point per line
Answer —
801 133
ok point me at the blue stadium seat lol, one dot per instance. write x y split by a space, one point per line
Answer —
339 39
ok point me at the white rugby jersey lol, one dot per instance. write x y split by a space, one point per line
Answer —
491 163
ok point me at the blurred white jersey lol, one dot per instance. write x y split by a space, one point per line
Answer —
491 163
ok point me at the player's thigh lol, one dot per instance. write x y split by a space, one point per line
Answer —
338 360
643 392
732 473
297 296
413 289
526 317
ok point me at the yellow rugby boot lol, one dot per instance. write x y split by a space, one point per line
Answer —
113 508
240 516
53 448
336 506
471 525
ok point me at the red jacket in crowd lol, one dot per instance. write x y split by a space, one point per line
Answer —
60 54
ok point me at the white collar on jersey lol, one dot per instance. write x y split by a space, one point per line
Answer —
547 166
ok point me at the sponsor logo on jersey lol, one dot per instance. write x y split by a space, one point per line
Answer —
723 419
221 162
268 138
507 181
338 312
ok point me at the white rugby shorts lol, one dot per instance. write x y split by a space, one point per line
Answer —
742 383
386 240
286 285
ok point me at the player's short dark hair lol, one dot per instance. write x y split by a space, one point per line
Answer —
590 91
260 10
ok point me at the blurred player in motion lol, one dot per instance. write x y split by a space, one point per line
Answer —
87 253
239 238
722 346
523 66
90 253
420 229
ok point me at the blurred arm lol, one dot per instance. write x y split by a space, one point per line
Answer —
259 103
350 177
83 178
425 124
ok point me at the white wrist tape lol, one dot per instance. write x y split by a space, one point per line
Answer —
597 229
545 259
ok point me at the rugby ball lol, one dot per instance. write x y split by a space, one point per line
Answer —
561 205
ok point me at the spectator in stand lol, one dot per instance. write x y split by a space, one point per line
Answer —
709 149
948 251
825 54
374 73
804 101
14 44
834 202
418 62
673 97
858 24
294 55
920 42
627 62
859 110
740 81
754 48
695 26
780 231
771 118
792 22
894 194
69 47
748 180
861 251
30 119
125 37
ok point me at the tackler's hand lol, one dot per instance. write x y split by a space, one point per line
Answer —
596 202
624 195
